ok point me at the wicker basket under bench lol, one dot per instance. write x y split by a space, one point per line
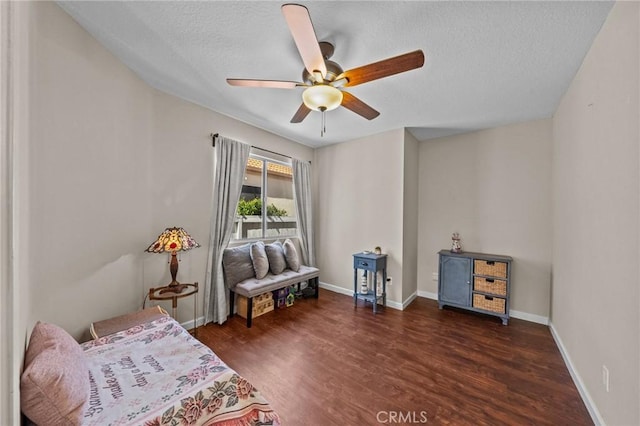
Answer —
252 288
475 281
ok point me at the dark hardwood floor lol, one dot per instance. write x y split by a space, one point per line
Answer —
324 362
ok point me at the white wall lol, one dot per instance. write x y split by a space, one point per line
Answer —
6 316
410 218
493 187
596 301
14 206
102 163
90 171
359 206
110 163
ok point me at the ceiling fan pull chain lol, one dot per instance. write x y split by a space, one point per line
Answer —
325 122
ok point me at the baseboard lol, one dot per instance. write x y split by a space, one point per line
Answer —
188 325
390 303
529 317
515 314
395 305
434 296
428 295
577 380
336 289
408 301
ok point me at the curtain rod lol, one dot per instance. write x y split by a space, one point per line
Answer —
215 135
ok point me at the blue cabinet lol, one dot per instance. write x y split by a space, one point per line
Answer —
475 281
374 263
455 273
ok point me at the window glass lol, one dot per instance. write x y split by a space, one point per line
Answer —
281 212
249 213
266 208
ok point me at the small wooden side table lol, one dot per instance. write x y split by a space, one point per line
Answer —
161 293
373 263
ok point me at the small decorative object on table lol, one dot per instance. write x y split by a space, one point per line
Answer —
364 286
377 250
456 246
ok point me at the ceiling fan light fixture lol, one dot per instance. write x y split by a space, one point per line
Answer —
323 77
322 97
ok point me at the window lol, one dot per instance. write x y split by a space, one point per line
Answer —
266 208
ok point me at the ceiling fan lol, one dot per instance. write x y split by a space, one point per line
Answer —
323 79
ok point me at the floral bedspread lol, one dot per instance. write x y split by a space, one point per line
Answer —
157 374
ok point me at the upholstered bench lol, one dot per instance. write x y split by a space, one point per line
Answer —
256 268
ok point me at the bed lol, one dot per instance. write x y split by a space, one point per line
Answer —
151 374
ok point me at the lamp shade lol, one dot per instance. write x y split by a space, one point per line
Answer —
172 240
322 97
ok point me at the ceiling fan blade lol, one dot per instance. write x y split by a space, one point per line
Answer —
384 68
301 27
301 114
356 105
275 84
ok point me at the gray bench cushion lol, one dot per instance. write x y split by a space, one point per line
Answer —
252 287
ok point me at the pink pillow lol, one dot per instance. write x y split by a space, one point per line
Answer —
54 387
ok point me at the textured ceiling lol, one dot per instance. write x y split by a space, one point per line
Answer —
487 63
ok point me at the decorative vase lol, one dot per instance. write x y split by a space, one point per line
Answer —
456 246
364 288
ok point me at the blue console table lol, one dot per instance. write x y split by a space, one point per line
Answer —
374 263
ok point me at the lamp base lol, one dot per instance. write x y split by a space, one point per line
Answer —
174 287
